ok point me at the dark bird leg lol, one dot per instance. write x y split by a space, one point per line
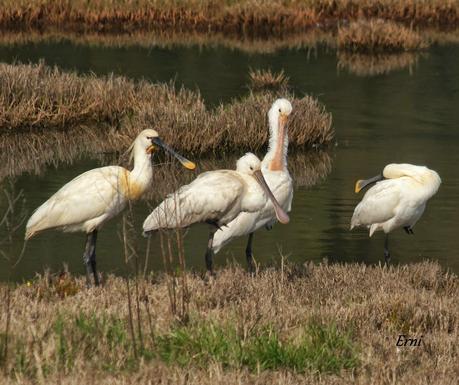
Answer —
249 255
386 250
89 258
209 252
408 230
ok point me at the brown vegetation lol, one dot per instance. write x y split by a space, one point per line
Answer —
342 321
242 16
376 35
39 97
268 80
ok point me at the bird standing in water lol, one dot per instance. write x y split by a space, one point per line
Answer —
94 197
216 198
275 172
397 200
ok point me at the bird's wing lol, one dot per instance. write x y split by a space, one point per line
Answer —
379 204
207 198
86 197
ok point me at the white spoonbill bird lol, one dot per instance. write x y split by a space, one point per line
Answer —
397 200
216 198
92 198
274 168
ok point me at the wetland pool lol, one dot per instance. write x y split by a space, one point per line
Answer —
407 115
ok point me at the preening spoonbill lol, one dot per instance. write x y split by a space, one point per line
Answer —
274 168
92 198
397 200
216 198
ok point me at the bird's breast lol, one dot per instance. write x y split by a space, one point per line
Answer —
130 188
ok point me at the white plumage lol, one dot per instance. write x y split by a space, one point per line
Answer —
397 201
215 197
274 168
92 198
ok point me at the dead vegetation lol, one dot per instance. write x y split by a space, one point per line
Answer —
243 16
36 98
261 80
376 35
311 324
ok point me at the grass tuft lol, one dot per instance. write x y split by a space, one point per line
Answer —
376 35
268 80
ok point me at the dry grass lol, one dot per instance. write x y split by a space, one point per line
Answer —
352 314
261 80
376 35
37 97
242 16
372 65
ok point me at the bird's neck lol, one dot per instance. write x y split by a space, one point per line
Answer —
139 179
276 157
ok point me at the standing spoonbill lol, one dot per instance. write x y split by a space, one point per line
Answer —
397 200
216 198
274 168
92 198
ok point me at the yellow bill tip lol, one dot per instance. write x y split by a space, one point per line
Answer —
189 165
357 186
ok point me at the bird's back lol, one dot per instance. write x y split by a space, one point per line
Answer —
93 194
214 195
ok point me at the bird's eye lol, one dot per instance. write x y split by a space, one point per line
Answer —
280 110
251 167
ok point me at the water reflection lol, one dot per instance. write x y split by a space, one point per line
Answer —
380 64
53 248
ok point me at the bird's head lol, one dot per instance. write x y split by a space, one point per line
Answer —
250 164
279 113
149 141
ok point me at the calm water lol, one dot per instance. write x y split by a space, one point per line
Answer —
405 116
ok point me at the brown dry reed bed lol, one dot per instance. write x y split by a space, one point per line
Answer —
242 16
37 98
290 324
378 35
